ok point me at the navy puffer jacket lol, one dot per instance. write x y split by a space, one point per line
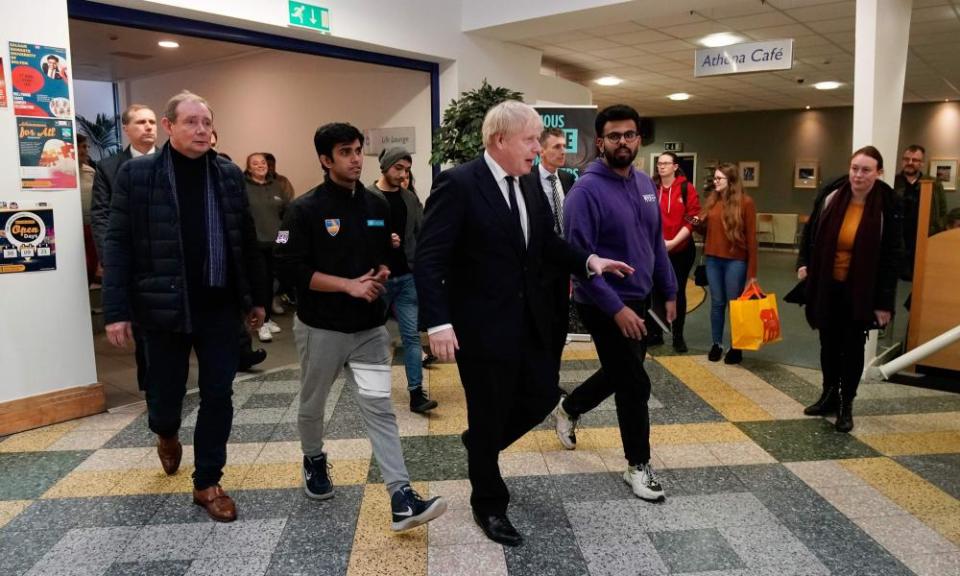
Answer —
144 273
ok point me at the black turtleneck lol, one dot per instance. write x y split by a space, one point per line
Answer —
189 174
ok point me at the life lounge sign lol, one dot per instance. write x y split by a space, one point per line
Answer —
742 58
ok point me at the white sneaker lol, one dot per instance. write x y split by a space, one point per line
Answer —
272 326
566 427
264 334
276 308
644 483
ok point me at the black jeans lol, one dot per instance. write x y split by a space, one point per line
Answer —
266 248
622 374
842 341
682 263
505 400
215 341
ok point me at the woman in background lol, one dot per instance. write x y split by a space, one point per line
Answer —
730 247
849 255
268 199
679 211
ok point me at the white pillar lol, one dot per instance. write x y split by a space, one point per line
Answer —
883 31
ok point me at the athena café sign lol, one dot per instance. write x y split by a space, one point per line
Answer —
742 58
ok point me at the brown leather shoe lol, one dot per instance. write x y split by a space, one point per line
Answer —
215 501
170 452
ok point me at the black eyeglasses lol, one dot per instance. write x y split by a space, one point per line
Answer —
630 136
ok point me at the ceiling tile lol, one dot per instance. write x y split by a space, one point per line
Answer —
764 19
614 28
617 53
590 44
776 32
633 38
658 22
834 25
824 11
695 30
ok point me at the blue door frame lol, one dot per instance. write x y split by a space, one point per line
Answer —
118 16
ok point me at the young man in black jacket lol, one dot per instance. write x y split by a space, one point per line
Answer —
333 247
181 262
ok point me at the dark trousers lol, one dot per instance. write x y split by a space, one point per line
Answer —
506 398
682 263
622 374
215 341
561 312
140 355
842 341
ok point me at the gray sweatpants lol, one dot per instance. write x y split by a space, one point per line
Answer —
365 356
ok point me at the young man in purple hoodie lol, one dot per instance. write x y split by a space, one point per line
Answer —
612 211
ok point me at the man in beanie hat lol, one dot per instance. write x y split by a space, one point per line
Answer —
406 214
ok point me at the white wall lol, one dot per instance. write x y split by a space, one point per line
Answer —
286 96
554 91
46 340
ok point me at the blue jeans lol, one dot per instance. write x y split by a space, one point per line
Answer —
402 293
727 279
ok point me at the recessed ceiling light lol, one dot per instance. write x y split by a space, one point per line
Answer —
718 40
168 44
677 96
828 85
806 107
609 81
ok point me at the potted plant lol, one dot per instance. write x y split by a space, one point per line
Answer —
101 134
460 138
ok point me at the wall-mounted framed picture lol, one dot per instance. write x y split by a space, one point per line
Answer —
749 173
944 170
687 161
806 174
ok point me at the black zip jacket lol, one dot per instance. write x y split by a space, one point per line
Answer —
334 231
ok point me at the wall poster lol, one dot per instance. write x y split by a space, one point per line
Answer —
47 156
27 239
3 85
39 76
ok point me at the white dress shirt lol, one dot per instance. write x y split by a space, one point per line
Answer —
500 175
548 187
134 153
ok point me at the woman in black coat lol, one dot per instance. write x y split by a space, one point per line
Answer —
850 254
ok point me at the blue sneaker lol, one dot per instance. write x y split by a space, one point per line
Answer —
410 510
316 481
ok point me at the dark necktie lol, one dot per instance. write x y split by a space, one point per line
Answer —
557 205
515 212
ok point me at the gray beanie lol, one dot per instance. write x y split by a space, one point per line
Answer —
390 156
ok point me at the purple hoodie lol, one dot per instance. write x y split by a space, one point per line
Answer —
618 218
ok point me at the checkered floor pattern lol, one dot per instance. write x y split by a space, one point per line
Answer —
754 488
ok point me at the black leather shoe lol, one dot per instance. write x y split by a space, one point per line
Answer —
715 353
498 528
733 356
825 406
251 359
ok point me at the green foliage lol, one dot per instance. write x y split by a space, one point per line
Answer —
460 138
101 133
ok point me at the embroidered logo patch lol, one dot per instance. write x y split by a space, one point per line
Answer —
283 236
375 223
333 226
649 198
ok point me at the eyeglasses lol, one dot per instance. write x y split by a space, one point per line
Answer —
666 163
859 170
718 178
630 136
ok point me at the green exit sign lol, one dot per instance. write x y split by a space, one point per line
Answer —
309 16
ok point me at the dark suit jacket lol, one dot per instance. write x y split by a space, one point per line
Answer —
472 273
560 278
104 183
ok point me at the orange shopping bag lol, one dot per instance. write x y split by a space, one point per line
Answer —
754 320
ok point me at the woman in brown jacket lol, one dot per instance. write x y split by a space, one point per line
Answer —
730 248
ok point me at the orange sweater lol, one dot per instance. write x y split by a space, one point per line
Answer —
717 244
845 240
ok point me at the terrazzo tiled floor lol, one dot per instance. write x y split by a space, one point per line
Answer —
754 488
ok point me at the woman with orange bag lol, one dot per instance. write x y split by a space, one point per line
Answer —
730 248
850 253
